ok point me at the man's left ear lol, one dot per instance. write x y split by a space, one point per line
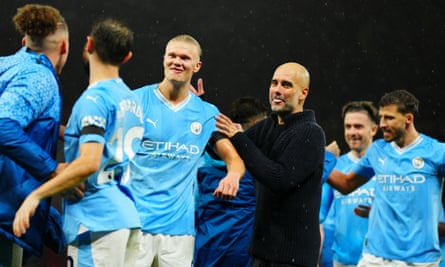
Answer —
89 46
304 93
409 118
127 57
197 67
64 47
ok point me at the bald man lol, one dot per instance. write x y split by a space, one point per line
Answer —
285 154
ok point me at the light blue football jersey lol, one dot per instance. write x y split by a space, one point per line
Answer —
112 106
442 239
165 166
405 212
350 229
328 222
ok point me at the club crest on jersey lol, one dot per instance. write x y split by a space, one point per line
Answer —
196 128
418 163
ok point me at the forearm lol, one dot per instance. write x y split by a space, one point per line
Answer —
345 183
73 175
76 172
226 151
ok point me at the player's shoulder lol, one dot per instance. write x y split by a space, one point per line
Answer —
347 157
94 95
204 105
429 139
379 143
146 89
429 144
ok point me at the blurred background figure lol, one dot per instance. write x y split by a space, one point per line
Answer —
224 227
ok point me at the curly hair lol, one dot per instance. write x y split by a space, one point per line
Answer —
37 20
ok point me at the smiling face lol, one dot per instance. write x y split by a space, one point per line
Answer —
181 61
359 131
288 89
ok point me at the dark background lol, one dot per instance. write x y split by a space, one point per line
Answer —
354 50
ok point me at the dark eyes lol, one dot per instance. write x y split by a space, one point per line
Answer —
284 84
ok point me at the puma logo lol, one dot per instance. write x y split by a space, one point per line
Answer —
152 122
94 99
382 161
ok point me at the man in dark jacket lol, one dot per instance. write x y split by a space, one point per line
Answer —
285 155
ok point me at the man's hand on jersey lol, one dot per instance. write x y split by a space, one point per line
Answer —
227 188
362 211
225 126
24 214
74 194
200 91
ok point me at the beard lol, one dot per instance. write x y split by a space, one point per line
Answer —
396 137
284 111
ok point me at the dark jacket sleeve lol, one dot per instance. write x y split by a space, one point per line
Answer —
289 163
18 146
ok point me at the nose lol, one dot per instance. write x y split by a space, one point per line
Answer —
352 131
275 90
176 60
382 123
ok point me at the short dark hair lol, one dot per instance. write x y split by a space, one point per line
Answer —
404 100
357 106
113 40
244 109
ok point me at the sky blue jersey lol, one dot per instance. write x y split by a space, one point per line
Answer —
165 167
350 229
405 213
442 239
111 106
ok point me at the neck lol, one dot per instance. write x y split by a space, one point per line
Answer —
100 71
174 93
281 115
408 138
359 153
53 57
